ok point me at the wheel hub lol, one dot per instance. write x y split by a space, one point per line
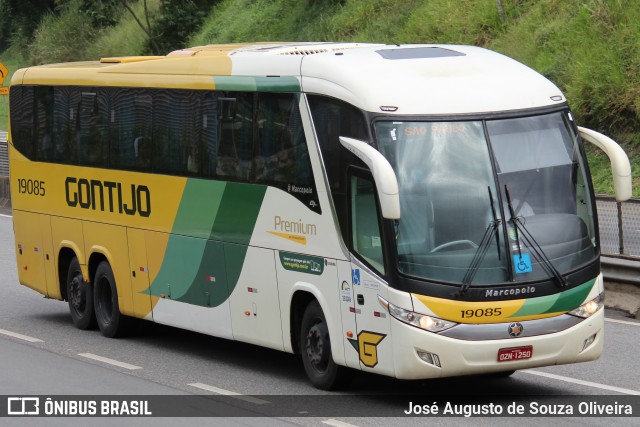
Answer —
77 296
316 349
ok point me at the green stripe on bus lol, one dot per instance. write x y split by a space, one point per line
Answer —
572 298
562 302
260 84
238 212
198 207
209 288
202 270
534 306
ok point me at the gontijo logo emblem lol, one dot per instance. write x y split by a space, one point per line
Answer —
367 347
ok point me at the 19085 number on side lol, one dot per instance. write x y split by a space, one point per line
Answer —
31 186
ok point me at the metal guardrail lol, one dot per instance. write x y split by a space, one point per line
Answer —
621 270
619 225
4 170
4 155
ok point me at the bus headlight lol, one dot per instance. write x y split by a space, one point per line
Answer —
422 321
589 308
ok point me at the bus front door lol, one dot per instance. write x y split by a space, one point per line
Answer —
372 343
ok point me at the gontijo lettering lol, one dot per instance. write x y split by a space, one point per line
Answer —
108 195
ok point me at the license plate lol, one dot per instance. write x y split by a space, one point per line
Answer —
515 353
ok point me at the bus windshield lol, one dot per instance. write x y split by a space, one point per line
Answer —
526 214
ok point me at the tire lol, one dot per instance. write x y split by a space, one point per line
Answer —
503 374
111 322
315 348
80 298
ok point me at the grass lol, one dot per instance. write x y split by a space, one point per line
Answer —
600 167
12 64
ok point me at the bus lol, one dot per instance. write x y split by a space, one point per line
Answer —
415 211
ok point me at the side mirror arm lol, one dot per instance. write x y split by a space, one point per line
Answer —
383 175
620 166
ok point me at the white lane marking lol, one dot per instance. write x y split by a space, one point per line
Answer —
109 361
6 216
222 391
581 382
20 336
624 322
337 423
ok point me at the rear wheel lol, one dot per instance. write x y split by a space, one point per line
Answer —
315 347
80 298
105 299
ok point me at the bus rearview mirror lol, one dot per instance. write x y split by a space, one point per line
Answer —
620 166
383 175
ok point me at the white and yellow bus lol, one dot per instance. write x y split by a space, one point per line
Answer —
415 211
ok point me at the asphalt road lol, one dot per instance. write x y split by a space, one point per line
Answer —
41 353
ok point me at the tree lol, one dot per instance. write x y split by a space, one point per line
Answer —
146 27
20 18
500 10
178 20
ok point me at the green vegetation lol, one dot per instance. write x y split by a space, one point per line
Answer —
590 49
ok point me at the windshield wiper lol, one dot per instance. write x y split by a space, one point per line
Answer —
478 257
519 227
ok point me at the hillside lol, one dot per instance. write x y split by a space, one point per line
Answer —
591 49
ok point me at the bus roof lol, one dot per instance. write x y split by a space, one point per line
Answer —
406 79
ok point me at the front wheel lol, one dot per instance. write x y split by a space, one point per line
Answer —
503 374
315 348
105 300
80 298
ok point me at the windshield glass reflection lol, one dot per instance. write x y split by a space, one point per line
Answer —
456 224
445 180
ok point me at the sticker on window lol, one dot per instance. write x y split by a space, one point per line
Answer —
355 277
522 263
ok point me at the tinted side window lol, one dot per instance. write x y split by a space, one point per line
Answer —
281 155
332 119
209 130
239 136
177 131
121 130
92 137
66 101
21 101
235 144
365 222
44 122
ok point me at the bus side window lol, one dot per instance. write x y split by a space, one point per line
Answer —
209 125
92 127
121 123
21 106
142 149
44 123
143 107
365 224
281 155
235 143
